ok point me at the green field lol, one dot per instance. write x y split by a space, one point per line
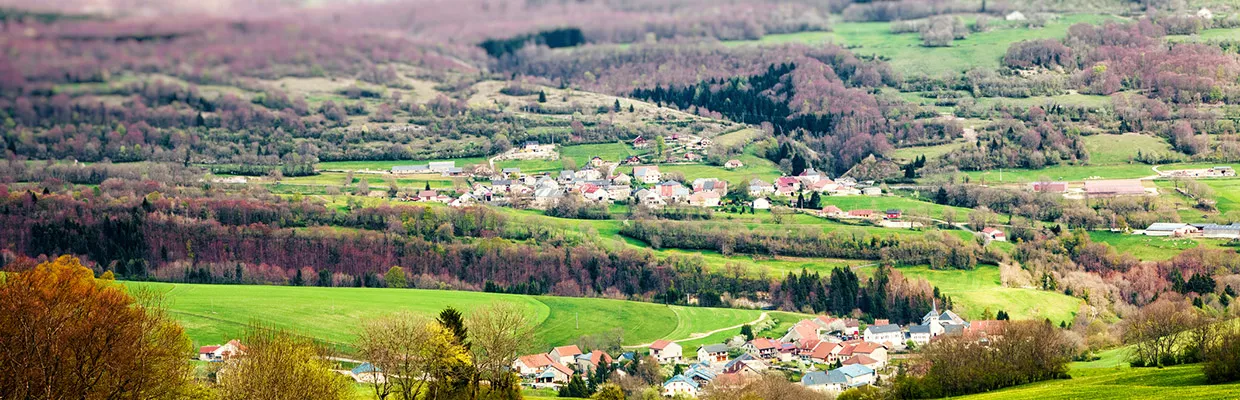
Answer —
1120 149
387 165
1095 381
1151 248
906 204
972 292
217 313
906 54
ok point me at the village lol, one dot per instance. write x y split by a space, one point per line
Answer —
828 354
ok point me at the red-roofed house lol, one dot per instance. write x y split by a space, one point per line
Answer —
762 348
861 214
994 234
554 373
565 354
666 351
823 353
864 360
528 365
831 211
221 352
1052 187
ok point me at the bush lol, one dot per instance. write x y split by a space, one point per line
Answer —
1221 359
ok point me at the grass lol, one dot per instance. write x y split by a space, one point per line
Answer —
899 202
1062 173
610 152
1151 248
217 313
974 291
1121 149
1120 382
387 165
906 154
906 54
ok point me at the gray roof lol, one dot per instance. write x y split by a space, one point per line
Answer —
716 348
815 378
884 328
511 170
854 370
919 329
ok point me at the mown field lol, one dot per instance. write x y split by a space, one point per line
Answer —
1151 248
216 313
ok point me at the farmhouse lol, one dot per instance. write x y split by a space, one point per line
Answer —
622 179
555 373
1169 229
713 354
920 334
666 352
641 143
733 164
865 214
839 379
529 365
711 185
893 213
994 235
831 211
1118 187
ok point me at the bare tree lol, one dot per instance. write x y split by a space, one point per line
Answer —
499 332
1157 330
407 349
278 365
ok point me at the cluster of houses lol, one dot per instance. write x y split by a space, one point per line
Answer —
559 365
1176 229
811 180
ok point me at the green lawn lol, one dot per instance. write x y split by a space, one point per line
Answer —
898 202
1062 173
217 313
907 56
974 291
610 152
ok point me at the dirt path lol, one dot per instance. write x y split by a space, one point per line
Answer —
699 335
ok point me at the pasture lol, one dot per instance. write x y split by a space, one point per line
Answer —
217 313
1150 248
1093 381
1121 149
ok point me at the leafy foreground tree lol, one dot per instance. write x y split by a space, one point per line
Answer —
771 386
64 334
278 365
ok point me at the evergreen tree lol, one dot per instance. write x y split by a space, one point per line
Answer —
428 185
747 332
616 107
576 387
542 96
815 201
631 109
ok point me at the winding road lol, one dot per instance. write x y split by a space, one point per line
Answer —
699 335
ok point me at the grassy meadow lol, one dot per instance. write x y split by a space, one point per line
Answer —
216 313
974 291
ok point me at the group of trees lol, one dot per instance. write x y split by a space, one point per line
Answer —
944 251
887 294
1010 354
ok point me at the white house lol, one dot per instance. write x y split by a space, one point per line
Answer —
665 351
565 354
704 199
761 203
889 334
762 348
993 234
221 352
839 379
622 179
758 187
528 365
680 385
648 174
713 354
1205 13
1015 16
